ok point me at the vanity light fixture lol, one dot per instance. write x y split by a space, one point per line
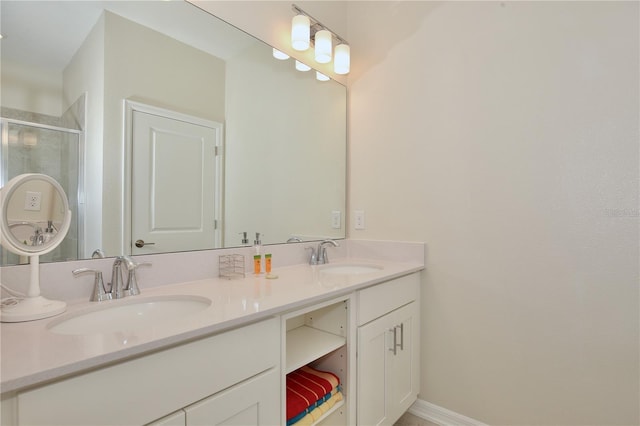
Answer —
280 55
302 67
307 31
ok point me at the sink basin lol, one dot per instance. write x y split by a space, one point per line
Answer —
349 269
129 314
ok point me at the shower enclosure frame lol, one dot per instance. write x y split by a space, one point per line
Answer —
4 166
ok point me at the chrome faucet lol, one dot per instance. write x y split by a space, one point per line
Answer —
319 256
118 287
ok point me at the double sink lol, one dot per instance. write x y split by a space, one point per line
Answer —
136 313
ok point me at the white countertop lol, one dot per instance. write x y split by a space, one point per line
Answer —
31 354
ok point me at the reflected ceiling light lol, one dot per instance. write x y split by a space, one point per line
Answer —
323 46
306 30
279 55
302 67
321 77
300 32
342 59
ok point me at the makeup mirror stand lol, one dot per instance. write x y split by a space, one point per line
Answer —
32 306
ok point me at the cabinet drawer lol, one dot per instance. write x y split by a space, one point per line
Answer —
375 301
142 389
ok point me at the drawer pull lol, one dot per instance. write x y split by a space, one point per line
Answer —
401 336
395 340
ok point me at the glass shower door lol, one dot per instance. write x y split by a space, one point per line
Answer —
54 151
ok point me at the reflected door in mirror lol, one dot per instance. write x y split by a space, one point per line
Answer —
175 195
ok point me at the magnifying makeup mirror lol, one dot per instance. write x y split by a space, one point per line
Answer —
35 218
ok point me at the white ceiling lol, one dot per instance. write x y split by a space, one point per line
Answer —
48 33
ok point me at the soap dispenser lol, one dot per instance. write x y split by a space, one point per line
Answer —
245 240
257 243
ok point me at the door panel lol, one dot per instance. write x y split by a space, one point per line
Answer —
174 184
250 403
373 345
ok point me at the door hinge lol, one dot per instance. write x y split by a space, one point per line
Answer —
216 151
215 224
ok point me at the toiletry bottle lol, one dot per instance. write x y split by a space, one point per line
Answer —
257 243
256 264
267 263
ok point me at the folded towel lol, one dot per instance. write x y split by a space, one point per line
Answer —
308 388
318 375
308 418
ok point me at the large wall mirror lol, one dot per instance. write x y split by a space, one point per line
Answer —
161 108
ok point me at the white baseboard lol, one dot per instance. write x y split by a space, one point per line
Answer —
440 415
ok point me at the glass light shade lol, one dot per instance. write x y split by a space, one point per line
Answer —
302 67
300 32
342 60
321 77
323 46
279 55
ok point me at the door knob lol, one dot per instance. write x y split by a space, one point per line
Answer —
141 243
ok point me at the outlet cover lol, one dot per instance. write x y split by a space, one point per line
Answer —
32 201
358 222
336 219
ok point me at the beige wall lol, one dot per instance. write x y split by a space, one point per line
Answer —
505 136
29 88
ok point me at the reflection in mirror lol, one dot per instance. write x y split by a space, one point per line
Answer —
35 218
282 156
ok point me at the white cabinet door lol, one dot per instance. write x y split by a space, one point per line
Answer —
255 401
388 368
404 366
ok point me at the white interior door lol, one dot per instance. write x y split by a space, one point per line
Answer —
174 184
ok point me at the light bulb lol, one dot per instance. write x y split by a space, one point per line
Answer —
300 32
279 55
342 60
302 67
321 77
323 46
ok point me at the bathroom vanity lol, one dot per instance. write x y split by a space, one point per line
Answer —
227 363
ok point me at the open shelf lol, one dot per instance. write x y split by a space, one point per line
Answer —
306 344
328 413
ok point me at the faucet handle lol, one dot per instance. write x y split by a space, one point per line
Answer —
132 288
99 293
312 259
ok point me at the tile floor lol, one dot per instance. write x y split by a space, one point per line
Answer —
411 420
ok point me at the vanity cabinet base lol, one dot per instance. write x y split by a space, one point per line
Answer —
149 387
